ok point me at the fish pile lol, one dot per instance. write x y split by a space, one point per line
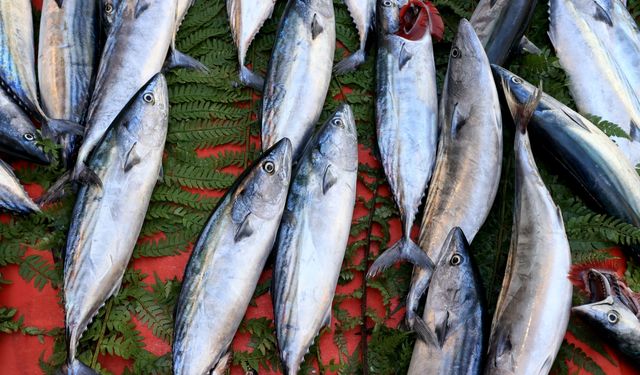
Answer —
102 96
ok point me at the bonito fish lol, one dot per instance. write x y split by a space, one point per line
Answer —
18 136
589 156
468 164
296 88
226 263
135 51
597 82
67 56
533 309
313 236
363 13
107 219
454 314
406 115
12 194
500 25
246 18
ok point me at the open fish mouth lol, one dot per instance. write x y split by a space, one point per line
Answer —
597 285
414 20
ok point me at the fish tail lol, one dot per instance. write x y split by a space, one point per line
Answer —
251 79
522 112
55 128
55 191
405 249
76 368
350 63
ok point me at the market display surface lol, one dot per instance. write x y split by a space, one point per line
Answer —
254 205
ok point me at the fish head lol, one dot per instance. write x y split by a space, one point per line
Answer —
26 142
518 87
108 12
264 190
610 316
148 119
337 139
389 16
467 58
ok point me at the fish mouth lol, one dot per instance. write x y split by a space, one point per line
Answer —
598 285
414 20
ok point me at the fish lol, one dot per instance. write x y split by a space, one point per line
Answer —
534 305
363 13
67 56
12 194
295 89
454 313
108 13
18 136
614 310
583 56
107 219
500 25
246 17
406 115
582 149
313 236
134 52
227 260
468 162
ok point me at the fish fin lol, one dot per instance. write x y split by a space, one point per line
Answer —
161 174
54 128
405 249
132 159
404 57
76 368
326 322
546 366
177 59
223 364
424 332
603 11
458 121
350 63
316 27
245 229
503 346
634 132
527 46
55 191
251 79
442 329
59 2
522 113
141 7
551 38
86 176
575 117
492 3
328 180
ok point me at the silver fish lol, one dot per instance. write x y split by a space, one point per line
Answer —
500 25
135 51
67 56
407 123
246 18
107 219
226 263
18 136
597 83
589 156
363 13
108 10
313 236
454 313
468 163
295 89
533 309
12 194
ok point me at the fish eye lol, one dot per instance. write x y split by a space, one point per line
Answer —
148 97
516 80
108 8
455 52
456 260
387 3
337 122
613 317
269 167
29 136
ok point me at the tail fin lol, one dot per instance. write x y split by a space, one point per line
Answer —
54 128
76 368
522 113
177 59
251 79
405 249
350 63
55 191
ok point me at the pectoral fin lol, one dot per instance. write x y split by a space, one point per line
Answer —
132 159
442 327
316 27
326 322
141 7
245 229
458 120
328 180
404 57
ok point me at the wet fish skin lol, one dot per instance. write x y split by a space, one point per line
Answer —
469 158
500 25
313 236
227 261
108 11
134 52
67 56
107 219
18 136
12 194
533 308
407 126
363 13
295 89
591 158
584 56
454 313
